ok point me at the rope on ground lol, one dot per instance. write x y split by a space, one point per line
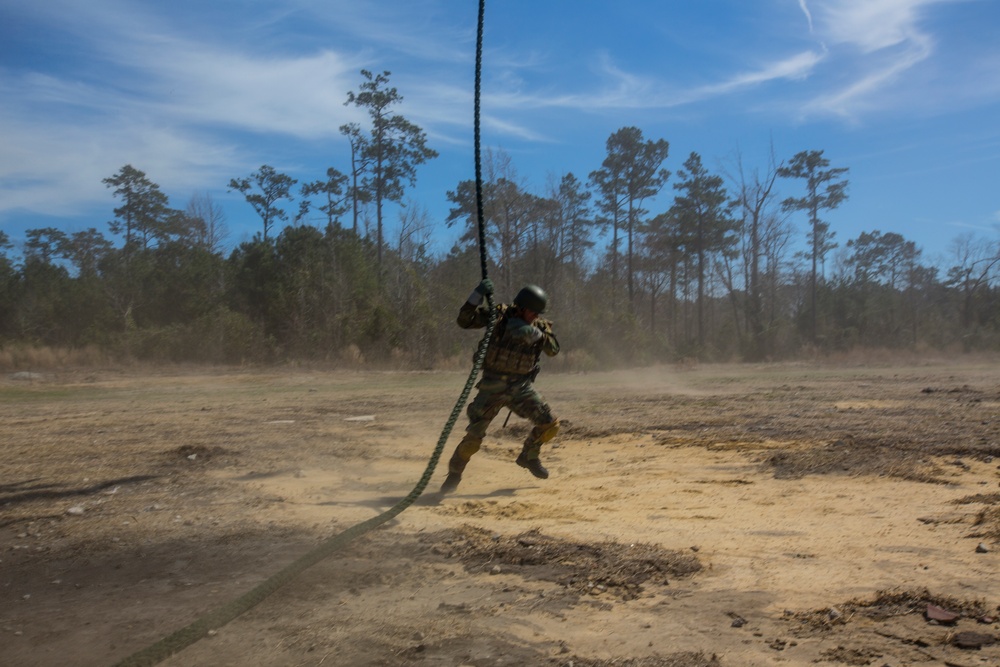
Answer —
186 636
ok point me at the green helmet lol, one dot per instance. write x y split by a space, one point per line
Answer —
532 297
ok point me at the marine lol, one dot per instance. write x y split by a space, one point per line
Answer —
520 337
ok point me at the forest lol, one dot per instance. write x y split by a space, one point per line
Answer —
719 274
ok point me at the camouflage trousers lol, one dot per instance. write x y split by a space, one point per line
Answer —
495 395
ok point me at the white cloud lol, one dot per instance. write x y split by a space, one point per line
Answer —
148 97
805 10
875 45
872 25
625 90
795 67
57 168
298 96
869 91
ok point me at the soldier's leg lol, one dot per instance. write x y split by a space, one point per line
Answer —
481 411
540 434
530 405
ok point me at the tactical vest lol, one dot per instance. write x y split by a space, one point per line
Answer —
510 357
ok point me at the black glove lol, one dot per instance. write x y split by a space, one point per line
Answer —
485 287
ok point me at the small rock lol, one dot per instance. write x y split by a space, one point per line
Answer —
982 548
943 616
972 640
496 570
76 510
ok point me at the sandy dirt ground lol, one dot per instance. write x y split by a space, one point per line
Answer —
714 515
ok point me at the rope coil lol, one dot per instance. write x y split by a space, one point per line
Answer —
190 634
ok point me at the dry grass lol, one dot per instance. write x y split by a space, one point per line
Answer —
594 568
888 604
21 357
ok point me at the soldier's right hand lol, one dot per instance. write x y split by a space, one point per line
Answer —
485 287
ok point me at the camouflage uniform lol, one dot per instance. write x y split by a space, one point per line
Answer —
509 368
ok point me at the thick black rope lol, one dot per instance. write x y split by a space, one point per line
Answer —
186 636
480 221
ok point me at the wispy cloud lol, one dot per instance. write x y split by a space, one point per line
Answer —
620 89
298 96
872 25
805 10
873 44
866 50
795 67
869 91
142 93
59 170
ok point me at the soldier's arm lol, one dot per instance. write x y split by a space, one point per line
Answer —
523 333
551 345
531 334
474 313
473 316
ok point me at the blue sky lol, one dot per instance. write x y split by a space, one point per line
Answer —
905 93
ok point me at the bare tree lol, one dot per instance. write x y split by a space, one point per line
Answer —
756 201
414 232
209 222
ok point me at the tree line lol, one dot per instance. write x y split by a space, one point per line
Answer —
714 275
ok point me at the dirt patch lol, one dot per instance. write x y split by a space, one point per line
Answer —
908 624
677 660
889 604
587 568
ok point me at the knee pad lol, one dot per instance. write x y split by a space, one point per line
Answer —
545 432
468 447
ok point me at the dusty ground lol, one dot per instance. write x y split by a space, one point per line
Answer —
735 515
